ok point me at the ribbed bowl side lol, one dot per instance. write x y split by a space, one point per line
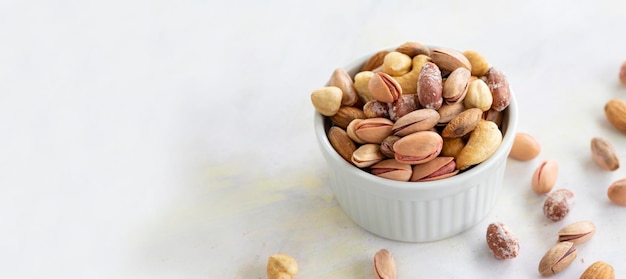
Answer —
419 221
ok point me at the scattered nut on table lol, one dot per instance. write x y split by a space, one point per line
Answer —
604 154
525 147
577 232
384 265
615 111
598 270
557 204
501 241
281 266
617 192
559 257
545 176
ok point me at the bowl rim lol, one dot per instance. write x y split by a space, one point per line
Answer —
508 127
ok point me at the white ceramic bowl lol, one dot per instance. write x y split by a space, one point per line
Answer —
417 211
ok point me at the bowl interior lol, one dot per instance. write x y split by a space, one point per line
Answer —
508 127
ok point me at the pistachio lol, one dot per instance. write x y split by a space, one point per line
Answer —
367 155
455 86
501 241
617 192
281 266
375 61
350 130
483 141
478 96
373 109
342 80
384 265
463 123
438 168
559 257
327 100
545 176
452 146
415 121
525 147
373 130
418 147
557 205
384 88
345 115
408 81
404 105
361 85
396 63
386 147
578 232
449 59
448 111
479 63
493 116
615 111
599 270
429 86
500 91
392 169
603 154
413 49
341 142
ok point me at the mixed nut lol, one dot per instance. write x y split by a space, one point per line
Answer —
411 105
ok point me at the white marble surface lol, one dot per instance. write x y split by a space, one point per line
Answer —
174 139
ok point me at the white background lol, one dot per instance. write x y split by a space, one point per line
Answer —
174 139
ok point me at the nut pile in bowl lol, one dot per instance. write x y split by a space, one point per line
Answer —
416 113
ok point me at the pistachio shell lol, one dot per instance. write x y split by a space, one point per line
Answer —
367 155
438 168
559 257
350 130
455 86
342 80
617 192
384 88
604 154
386 147
525 147
419 147
545 176
413 49
418 120
449 59
578 232
392 169
384 265
373 130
